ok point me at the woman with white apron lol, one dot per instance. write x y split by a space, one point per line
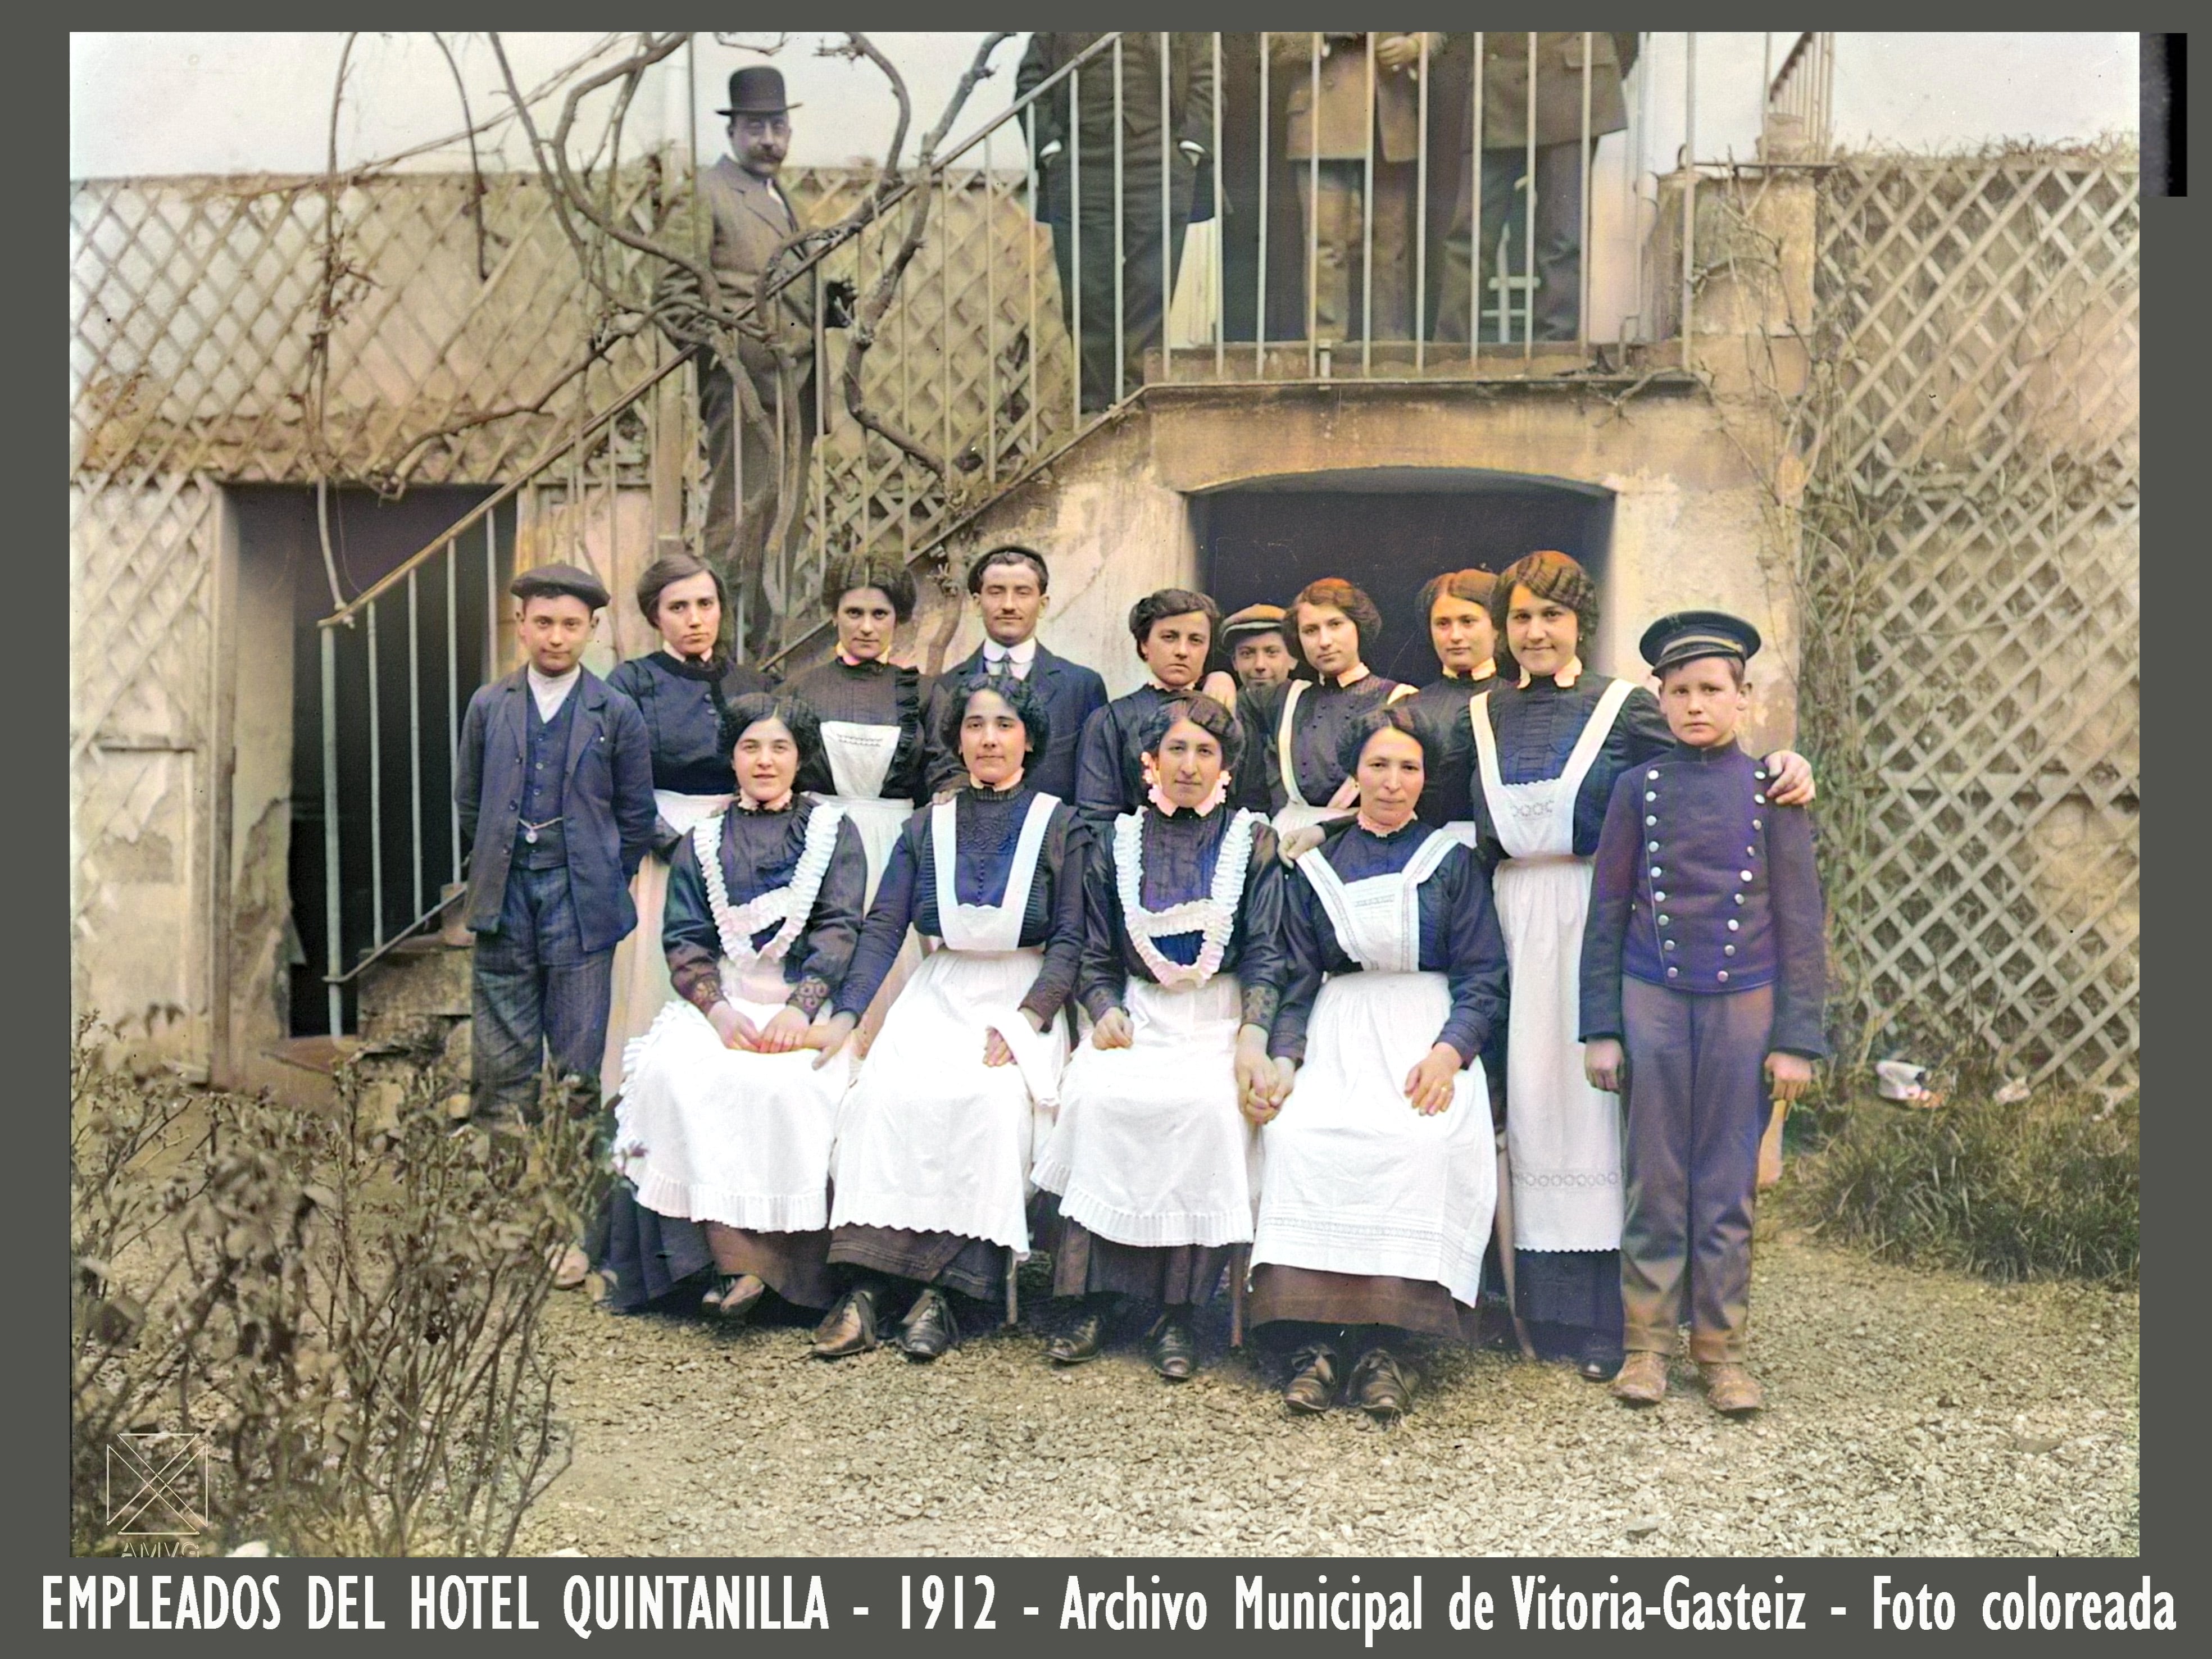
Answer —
932 1169
1152 1157
1381 1167
726 1121
1551 738
681 690
1298 725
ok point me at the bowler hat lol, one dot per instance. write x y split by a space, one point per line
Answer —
756 90
1685 636
546 580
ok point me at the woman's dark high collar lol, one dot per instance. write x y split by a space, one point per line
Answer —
692 668
977 792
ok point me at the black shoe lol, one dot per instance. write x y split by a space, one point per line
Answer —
928 1328
1379 1386
1175 1350
1085 1339
1312 1379
850 1327
1601 1359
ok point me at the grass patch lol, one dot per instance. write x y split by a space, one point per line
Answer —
2044 1187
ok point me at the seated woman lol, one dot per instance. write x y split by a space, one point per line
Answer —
934 1157
1381 1169
725 1119
1182 966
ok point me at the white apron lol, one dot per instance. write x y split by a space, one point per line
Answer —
1297 812
1149 1148
1563 1137
640 986
1357 1181
933 1139
712 1134
861 758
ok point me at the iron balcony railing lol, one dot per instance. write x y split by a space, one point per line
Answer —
1061 275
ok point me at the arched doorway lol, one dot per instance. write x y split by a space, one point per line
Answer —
1389 530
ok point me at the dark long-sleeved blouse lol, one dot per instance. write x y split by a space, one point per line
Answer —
1441 711
868 694
1460 937
683 701
1180 857
760 849
1325 711
989 825
1537 726
1110 766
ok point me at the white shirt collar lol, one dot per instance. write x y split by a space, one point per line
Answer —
1350 676
1565 678
1020 655
549 692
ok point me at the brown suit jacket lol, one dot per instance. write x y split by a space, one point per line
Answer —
1558 85
1343 123
750 218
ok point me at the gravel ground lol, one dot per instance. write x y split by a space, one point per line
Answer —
1909 1413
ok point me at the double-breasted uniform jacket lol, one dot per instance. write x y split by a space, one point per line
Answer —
607 805
1070 694
1703 885
1559 58
1342 126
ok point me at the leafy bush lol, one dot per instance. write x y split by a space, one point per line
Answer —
344 1303
2044 1187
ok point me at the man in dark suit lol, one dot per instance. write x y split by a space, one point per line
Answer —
1078 158
1559 59
1009 584
555 788
751 217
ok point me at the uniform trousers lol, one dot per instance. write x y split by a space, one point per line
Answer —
736 532
536 990
1146 296
1697 1107
1468 267
1339 223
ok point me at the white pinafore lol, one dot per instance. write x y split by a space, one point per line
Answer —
1564 1138
861 758
712 1133
1149 1148
1297 812
933 1140
639 983
1357 1181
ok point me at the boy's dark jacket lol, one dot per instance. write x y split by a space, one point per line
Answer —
607 805
1703 885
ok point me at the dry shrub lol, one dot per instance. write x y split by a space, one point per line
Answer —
344 1303
2046 1187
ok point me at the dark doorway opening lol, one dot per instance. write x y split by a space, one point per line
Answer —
1263 543
370 537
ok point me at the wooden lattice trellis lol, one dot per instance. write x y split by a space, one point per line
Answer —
1971 517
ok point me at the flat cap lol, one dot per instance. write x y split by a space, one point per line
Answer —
544 580
1254 619
1685 636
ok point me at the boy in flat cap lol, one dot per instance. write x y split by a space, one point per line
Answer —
1703 977
1258 640
555 788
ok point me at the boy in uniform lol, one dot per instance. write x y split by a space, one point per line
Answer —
555 788
1703 977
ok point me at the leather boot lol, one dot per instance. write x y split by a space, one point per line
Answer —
1083 1339
1379 1386
1731 1389
1312 1379
1175 1350
1643 1379
928 1328
850 1327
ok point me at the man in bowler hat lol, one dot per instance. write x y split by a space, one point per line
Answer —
555 788
754 473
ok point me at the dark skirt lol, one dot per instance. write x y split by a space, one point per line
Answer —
1308 1296
795 1266
1175 1275
647 1256
973 1266
1570 1302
